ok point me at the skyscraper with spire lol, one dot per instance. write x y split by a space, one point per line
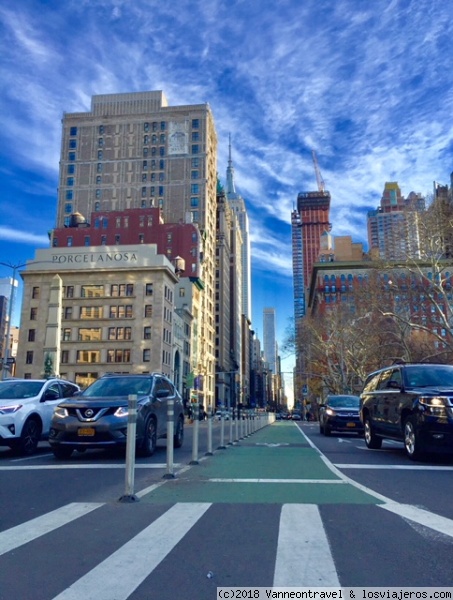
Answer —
238 205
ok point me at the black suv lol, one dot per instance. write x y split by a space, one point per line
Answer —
97 418
412 403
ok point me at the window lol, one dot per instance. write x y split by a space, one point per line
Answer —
120 312
118 356
103 240
195 163
98 179
99 168
147 333
149 289
98 193
145 151
145 165
70 181
66 334
92 291
194 188
148 311
100 142
29 357
117 239
64 356
71 156
120 333
69 195
100 155
86 241
195 136
88 356
145 126
122 289
72 144
195 174
162 125
67 312
71 169
31 335
146 355
195 123
161 190
73 131
33 314
35 292
195 149
101 129
89 334
91 312
97 206
194 202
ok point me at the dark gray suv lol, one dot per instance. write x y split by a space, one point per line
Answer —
98 417
412 403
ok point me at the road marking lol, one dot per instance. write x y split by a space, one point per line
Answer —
397 467
30 530
277 481
87 466
421 516
137 558
407 511
303 552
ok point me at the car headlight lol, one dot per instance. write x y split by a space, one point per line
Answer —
60 412
10 409
435 405
122 411
330 412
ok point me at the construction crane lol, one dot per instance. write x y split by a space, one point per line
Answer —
319 179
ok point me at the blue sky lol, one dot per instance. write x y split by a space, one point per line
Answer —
367 85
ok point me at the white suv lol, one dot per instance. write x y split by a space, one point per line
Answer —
26 408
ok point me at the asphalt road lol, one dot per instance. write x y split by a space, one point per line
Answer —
283 506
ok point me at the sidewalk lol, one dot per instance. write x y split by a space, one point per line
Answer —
273 465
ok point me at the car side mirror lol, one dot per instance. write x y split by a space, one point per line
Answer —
51 395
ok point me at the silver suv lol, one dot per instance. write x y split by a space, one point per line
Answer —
97 418
26 408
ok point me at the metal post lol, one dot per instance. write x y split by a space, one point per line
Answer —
170 434
209 452
130 449
196 424
236 425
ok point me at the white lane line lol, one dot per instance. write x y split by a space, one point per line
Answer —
219 480
303 552
396 467
30 530
406 511
123 571
421 516
87 466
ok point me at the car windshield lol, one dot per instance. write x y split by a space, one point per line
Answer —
19 390
343 401
429 376
119 386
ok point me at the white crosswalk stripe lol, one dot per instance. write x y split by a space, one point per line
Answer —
137 558
26 532
303 553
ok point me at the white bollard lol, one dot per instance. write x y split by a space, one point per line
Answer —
170 433
196 423
129 495
209 452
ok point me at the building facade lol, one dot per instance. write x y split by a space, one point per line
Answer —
134 151
114 313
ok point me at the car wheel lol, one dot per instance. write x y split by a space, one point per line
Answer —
30 436
327 430
321 429
178 438
150 438
412 445
371 440
62 452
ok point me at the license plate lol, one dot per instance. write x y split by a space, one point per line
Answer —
86 431
350 425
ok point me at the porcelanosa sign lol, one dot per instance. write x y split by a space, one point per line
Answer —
96 259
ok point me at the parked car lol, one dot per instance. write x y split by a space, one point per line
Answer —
340 413
222 414
296 416
412 403
26 407
97 418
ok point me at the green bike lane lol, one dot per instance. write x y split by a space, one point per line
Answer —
276 464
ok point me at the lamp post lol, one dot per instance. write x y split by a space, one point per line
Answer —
6 354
